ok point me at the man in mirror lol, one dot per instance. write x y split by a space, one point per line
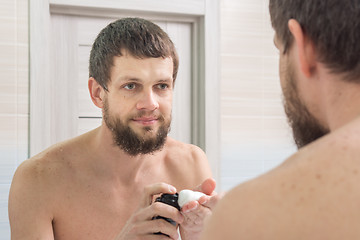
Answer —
101 185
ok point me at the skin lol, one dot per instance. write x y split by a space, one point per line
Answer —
314 193
88 188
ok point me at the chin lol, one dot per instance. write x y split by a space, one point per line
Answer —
146 132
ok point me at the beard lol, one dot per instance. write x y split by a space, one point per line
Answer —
129 141
305 127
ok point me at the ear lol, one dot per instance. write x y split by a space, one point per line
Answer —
97 92
305 48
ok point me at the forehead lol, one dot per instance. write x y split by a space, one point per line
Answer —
128 66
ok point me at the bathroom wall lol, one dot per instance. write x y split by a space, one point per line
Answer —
254 133
14 112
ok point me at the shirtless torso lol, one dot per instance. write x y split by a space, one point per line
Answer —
313 195
69 192
101 184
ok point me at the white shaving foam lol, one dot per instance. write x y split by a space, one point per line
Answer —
186 196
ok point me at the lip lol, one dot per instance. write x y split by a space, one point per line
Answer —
146 120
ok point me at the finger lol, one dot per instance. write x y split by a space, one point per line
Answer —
205 201
194 208
207 187
166 211
157 237
157 209
194 204
210 202
162 226
147 230
190 206
151 190
196 216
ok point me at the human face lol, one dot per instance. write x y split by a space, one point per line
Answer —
137 107
306 128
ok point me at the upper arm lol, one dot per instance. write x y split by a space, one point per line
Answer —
221 223
29 205
201 162
187 165
246 212
257 209
193 167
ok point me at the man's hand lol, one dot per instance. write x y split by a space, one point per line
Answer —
196 212
141 226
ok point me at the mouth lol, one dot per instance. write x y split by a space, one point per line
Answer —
146 121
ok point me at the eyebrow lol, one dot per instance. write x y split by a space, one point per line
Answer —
129 78
165 80
134 79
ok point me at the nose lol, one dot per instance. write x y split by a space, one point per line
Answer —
148 101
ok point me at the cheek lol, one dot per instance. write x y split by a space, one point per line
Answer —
170 103
166 107
119 108
166 110
166 102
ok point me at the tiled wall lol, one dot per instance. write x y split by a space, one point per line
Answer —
14 90
254 133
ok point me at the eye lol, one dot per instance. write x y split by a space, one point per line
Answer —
163 86
130 86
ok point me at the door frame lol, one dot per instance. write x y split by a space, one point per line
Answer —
204 14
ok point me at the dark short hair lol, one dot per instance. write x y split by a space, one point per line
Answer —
139 37
332 25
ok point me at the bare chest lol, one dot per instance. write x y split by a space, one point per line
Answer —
93 213
90 208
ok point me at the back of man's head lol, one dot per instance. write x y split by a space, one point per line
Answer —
332 25
138 37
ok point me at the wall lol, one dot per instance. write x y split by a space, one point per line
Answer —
14 112
255 136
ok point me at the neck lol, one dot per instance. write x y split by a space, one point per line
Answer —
112 162
342 104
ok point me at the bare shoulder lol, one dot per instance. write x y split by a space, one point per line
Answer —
38 188
55 161
235 215
312 195
187 160
184 148
41 177
33 193
188 152
38 177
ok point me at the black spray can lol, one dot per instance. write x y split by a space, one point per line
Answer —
170 199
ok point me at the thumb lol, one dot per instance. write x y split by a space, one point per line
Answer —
207 187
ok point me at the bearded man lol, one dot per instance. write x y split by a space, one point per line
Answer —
315 193
100 185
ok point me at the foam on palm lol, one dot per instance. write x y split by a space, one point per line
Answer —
186 196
